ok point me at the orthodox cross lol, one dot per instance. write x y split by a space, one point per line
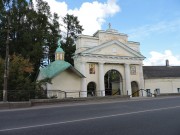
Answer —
59 43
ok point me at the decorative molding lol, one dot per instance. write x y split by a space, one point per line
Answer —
126 47
107 59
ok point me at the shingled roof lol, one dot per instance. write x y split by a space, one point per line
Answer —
161 71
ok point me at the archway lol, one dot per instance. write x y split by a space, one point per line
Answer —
135 88
91 88
113 83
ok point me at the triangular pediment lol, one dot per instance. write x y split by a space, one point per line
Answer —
114 48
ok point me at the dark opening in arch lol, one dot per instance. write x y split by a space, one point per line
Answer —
135 88
91 89
113 82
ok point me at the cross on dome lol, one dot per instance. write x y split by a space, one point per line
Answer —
59 42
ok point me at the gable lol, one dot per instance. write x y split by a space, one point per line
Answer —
114 48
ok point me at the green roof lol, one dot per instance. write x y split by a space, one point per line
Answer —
54 68
59 49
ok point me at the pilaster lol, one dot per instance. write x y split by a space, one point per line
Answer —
83 80
101 79
127 79
141 84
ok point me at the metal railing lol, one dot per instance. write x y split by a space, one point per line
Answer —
26 95
148 93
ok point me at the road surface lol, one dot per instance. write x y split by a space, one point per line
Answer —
150 116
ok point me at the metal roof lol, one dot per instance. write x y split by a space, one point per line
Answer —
161 71
54 68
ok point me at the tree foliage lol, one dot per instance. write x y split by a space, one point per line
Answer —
30 27
73 28
19 80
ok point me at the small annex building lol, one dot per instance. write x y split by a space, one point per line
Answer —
162 79
105 64
62 75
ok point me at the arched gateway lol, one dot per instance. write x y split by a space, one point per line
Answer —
113 83
110 50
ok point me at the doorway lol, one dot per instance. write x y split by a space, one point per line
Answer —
135 88
113 83
91 89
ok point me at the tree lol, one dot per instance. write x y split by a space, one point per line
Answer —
30 29
73 28
19 80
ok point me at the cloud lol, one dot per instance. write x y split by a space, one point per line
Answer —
91 15
160 27
158 59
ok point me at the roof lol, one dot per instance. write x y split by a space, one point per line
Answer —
161 71
59 49
56 68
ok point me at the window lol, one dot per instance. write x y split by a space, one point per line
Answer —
178 90
91 68
148 92
157 91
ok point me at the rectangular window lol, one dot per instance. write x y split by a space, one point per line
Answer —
91 68
157 91
178 90
148 92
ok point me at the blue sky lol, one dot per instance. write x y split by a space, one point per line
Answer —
153 23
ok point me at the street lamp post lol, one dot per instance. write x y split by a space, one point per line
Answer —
6 65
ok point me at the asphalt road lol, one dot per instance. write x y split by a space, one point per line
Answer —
157 116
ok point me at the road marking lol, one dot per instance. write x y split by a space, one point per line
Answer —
87 119
87 103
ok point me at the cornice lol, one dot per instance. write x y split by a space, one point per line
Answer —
107 59
107 56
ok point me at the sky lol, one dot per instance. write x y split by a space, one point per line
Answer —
153 23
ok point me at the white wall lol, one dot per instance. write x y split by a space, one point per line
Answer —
66 81
166 85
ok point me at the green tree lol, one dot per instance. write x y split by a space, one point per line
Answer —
73 28
30 29
19 80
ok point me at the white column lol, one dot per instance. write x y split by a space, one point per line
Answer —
141 83
83 82
101 79
127 79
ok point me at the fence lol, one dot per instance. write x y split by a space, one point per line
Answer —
26 95
23 95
